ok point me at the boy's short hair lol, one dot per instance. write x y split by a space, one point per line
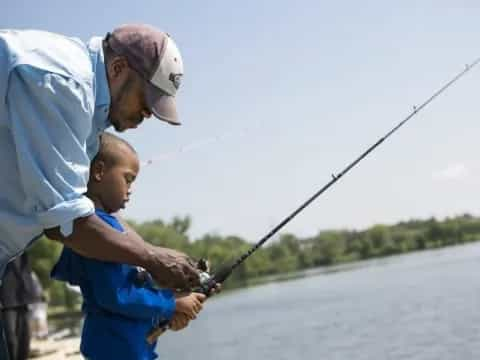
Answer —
109 146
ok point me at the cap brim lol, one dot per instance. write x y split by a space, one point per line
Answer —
163 106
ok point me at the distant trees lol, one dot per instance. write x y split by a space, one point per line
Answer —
286 253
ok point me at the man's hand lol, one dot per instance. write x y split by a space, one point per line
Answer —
169 268
172 269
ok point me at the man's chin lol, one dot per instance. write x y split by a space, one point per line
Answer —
118 127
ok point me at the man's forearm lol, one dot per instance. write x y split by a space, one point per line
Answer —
92 238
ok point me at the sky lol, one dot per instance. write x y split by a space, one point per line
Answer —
279 95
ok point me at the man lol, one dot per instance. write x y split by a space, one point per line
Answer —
57 95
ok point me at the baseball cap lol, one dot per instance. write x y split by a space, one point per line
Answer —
155 57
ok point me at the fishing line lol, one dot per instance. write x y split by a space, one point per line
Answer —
198 144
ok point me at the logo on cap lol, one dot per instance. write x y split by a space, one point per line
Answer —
176 79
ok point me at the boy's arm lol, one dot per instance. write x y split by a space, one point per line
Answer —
114 290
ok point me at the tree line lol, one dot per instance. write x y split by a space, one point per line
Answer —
286 253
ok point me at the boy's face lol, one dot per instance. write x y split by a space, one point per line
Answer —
113 182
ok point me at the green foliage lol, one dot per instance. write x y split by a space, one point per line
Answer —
285 254
43 254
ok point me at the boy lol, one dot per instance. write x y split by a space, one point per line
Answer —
120 303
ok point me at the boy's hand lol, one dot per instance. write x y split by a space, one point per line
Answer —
179 321
190 304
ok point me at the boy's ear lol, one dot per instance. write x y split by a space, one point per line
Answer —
97 171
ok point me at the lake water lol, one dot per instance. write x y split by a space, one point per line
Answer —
419 306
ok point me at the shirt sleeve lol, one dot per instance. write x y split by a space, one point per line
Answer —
115 290
50 117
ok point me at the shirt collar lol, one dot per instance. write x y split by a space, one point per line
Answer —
102 91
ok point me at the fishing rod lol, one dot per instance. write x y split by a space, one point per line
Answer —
208 282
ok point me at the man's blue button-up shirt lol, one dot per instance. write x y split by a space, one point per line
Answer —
54 101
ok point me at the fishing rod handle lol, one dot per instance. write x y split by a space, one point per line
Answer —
155 333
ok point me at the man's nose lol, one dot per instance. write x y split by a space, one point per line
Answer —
146 113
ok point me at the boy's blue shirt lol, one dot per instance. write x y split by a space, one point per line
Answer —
120 308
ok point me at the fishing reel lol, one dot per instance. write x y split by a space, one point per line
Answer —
207 281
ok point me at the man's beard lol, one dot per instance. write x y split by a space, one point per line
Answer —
116 125
116 103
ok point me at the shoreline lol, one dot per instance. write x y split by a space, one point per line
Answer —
56 349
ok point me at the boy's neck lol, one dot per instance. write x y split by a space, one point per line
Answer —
96 202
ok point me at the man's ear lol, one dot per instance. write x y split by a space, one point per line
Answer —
97 170
117 67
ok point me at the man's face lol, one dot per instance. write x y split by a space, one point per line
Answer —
128 106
